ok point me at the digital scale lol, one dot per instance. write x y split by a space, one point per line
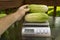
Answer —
36 31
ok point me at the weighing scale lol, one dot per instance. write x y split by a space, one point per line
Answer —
36 31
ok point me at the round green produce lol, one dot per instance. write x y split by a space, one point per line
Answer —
36 17
2 15
38 8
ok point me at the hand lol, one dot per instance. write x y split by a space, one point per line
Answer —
23 8
21 11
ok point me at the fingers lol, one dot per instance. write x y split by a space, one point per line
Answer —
27 9
24 7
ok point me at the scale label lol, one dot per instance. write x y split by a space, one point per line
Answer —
37 31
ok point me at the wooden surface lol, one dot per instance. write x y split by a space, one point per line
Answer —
16 3
10 4
46 2
5 0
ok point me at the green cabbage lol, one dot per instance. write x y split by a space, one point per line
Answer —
36 17
34 8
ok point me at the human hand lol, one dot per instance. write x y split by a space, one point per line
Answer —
23 8
21 11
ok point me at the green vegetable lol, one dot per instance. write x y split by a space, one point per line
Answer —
36 17
50 12
34 8
2 15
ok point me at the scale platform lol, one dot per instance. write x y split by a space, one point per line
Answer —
27 24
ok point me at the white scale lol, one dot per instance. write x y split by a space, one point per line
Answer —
36 30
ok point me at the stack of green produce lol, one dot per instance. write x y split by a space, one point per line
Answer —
37 13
